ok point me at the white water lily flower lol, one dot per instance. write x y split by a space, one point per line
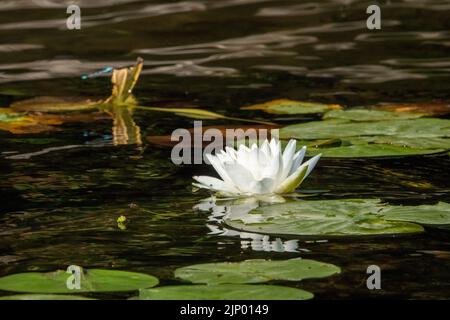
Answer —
258 170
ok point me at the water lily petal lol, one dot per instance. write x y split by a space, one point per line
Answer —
311 163
218 166
298 159
288 158
263 186
265 148
293 181
240 176
213 184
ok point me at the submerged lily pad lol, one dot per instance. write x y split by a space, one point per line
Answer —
256 271
322 217
224 292
285 106
92 280
44 297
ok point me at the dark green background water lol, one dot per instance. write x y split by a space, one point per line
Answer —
60 208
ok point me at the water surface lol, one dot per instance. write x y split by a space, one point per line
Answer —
60 207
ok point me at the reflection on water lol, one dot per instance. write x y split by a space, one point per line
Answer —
62 192
235 208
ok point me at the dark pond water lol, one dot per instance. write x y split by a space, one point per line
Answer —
60 207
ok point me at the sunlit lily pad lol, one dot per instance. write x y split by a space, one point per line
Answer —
437 214
285 106
92 280
44 297
322 217
368 115
372 139
224 292
360 150
410 128
256 271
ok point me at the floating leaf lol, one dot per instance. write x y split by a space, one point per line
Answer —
372 139
424 108
359 150
92 280
199 114
368 115
437 214
256 271
285 106
44 297
322 217
206 136
411 128
55 104
23 124
224 292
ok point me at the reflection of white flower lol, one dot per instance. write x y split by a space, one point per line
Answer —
258 170
221 209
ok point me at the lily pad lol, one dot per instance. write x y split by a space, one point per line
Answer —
285 106
409 128
359 150
199 114
55 104
434 108
44 297
322 217
256 271
224 292
438 214
368 115
92 280
372 139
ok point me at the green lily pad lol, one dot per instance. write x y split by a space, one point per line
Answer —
372 139
224 292
256 271
285 106
92 280
44 297
438 214
368 115
327 129
322 217
359 150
